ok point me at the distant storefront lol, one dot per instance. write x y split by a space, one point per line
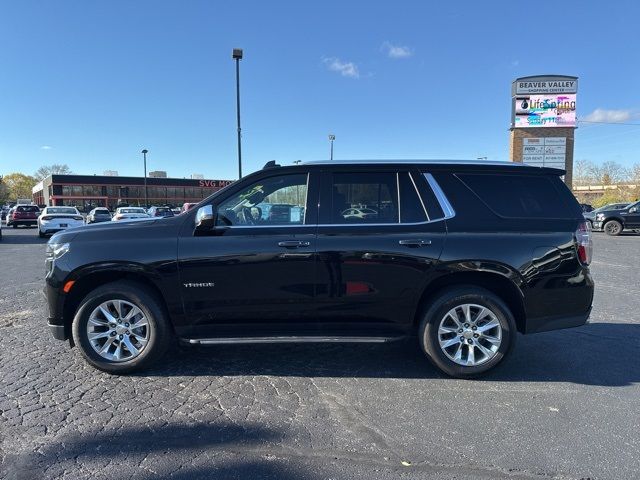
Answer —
89 191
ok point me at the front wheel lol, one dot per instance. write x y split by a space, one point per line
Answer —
121 327
467 331
613 228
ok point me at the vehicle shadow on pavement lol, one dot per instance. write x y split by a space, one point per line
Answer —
596 354
220 450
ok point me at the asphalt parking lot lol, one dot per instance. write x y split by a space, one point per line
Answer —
564 406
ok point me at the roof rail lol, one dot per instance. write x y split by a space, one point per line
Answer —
270 164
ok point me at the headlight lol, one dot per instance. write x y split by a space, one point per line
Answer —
600 216
56 250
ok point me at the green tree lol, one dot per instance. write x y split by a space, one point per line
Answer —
46 170
4 192
19 185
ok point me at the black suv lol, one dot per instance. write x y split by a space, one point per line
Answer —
461 255
614 221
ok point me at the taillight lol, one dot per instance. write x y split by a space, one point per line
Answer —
585 243
17 214
77 218
46 217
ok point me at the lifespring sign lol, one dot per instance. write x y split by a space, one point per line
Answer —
551 110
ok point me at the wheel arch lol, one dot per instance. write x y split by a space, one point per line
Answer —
87 280
503 287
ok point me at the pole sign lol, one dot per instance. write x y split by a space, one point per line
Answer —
544 101
545 152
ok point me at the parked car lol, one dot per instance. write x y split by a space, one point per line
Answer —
187 206
160 212
586 208
3 213
26 215
591 216
55 219
99 214
615 221
0 230
360 213
7 218
130 213
462 256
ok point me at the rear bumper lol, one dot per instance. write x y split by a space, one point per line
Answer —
545 324
24 222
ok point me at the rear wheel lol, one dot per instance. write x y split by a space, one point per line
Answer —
467 331
121 327
613 227
40 234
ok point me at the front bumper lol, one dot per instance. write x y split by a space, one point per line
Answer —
596 226
59 332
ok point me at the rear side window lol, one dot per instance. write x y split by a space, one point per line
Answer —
361 198
520 196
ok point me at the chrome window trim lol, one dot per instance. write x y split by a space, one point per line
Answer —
415 187
335 225
398 196
448 210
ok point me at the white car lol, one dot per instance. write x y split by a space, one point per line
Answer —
129 213
54 219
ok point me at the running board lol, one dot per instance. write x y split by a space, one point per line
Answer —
287 339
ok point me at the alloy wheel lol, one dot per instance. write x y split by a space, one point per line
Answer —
470 334
118 330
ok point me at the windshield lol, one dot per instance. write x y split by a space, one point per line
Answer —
28 208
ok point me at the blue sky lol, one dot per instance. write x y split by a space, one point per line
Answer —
91 83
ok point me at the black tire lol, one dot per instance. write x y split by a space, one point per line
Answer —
14 225
160 332
612 227
40 234
437 310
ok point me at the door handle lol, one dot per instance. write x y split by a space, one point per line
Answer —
293 244
415 243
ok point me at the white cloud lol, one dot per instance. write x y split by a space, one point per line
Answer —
396 51
346 69
609 116
46 147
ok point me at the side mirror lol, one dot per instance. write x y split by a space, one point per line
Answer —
205 218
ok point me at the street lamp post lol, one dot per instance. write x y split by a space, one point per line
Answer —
146 200
331 139
237 56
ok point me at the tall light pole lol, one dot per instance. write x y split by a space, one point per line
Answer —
331 139
146 200
237 56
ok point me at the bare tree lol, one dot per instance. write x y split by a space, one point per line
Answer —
583 172
55 169
610 173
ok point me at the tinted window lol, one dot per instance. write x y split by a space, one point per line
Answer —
62 210
28 208
519 195
364 198
411 209
277 200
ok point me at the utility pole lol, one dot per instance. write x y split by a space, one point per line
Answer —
146 199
